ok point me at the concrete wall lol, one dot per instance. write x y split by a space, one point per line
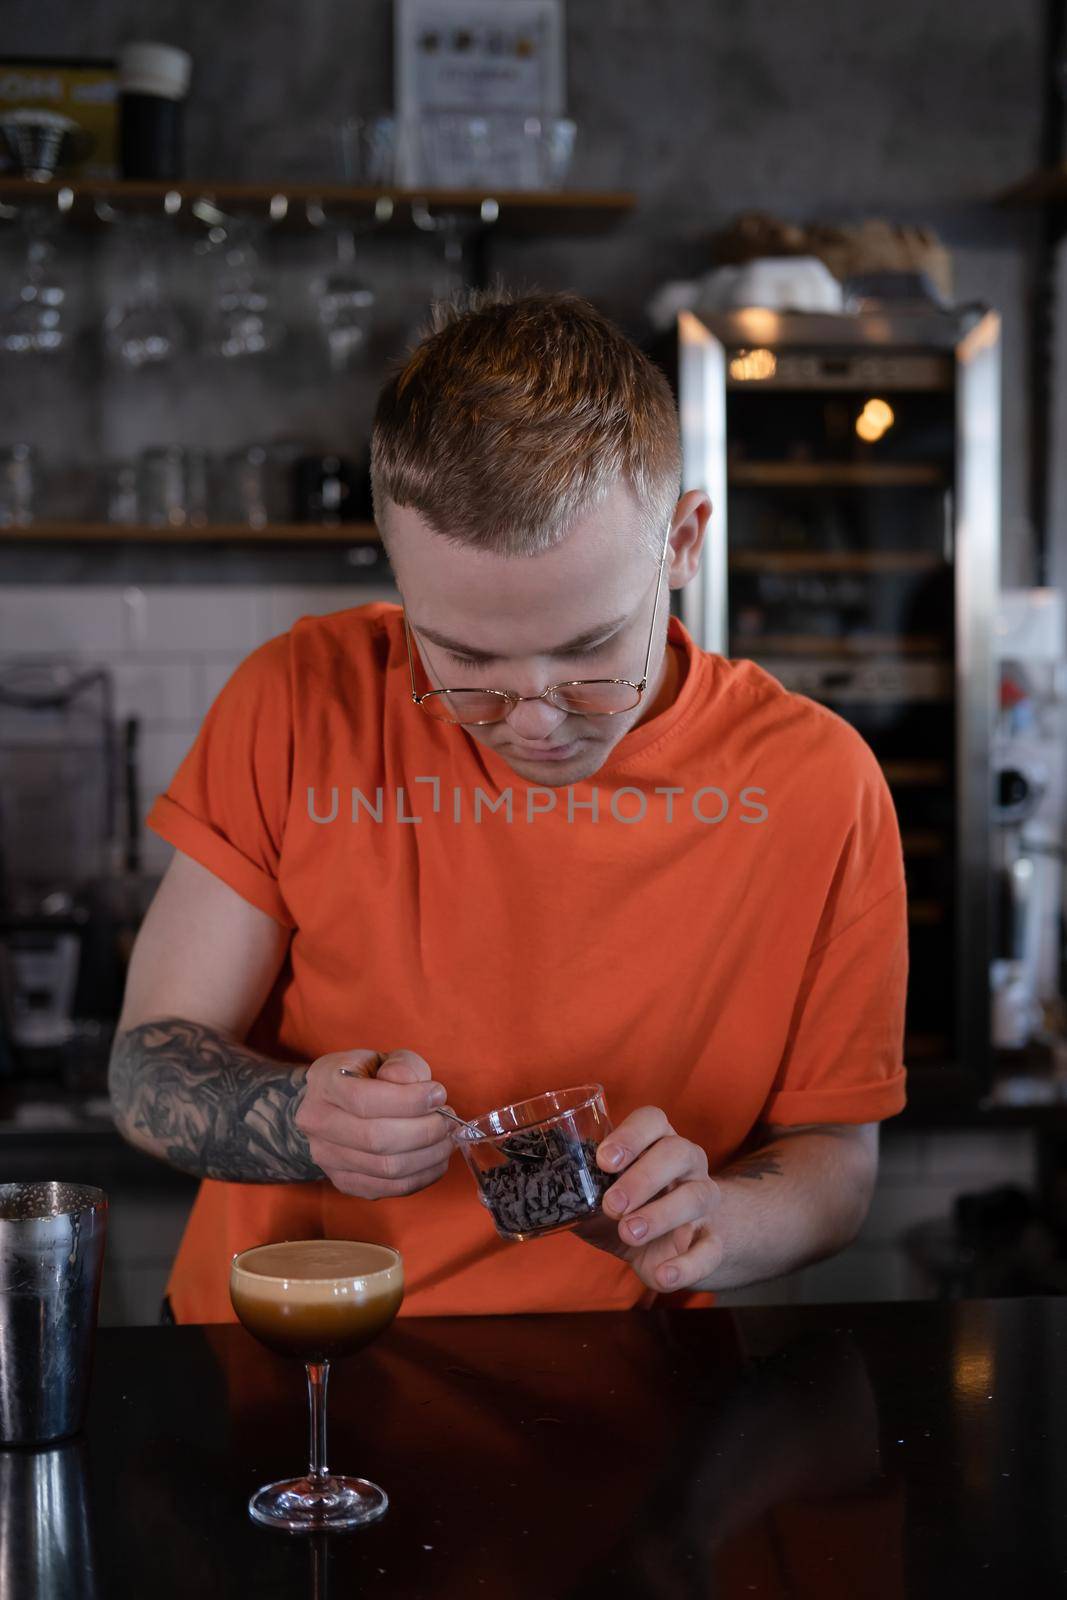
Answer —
922 111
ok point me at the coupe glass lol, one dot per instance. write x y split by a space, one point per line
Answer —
317 1300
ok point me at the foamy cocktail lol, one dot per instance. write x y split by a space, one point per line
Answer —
317 1300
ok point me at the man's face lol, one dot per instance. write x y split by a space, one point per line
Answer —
513 618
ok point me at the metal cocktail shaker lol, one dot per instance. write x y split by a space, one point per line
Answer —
51 1254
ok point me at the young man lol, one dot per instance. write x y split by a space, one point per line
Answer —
520 834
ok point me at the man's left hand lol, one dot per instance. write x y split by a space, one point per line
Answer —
660 1213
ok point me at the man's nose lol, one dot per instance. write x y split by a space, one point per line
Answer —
535 719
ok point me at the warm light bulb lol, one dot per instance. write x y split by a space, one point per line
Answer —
874 419
749 366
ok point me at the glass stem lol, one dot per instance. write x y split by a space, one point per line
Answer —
318 1374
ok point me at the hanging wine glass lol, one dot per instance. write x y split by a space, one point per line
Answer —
242 320
344 303
35 317
144 327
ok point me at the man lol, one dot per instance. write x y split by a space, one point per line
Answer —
520 834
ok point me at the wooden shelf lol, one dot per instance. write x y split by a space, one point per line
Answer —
915 772
229 533
1047 186
299 206
834 474
922 842
834 561
821 644
925 1046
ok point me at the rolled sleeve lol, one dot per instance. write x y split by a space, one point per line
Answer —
844 1057
227 804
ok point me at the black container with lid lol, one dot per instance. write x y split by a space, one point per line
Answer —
154 79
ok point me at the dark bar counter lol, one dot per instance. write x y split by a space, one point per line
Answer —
866 1452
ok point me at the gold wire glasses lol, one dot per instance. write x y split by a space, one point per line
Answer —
584 697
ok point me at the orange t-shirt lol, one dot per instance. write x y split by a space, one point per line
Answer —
724 936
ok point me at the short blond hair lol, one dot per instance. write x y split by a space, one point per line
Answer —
516 414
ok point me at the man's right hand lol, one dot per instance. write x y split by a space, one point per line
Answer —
375 1134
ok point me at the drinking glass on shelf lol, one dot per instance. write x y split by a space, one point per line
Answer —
497 149
120 503
17 463
242 320
35 317
144 326
172 487
363 151
245 487
317 1300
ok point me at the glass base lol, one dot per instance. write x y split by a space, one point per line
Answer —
317 1505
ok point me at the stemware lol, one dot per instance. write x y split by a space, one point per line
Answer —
344 303
242 321
35 318
143 327
317 1300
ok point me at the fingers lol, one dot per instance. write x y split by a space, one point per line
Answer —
364 1187
631 1138
694 1202
390 1165
688 1257
404 1066
375 1096
373 1133
671 1160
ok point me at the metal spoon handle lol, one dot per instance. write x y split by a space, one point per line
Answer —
444 1111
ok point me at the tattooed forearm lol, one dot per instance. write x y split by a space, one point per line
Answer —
760 1164
210 1106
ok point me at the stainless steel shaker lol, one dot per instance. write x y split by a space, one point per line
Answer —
47 1548
51 1255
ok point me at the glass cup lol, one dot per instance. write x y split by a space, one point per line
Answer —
16 485
244 498
317 1300
534 1162
172 487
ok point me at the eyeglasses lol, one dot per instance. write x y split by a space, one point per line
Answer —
584 697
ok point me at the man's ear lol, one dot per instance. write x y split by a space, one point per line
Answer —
691 518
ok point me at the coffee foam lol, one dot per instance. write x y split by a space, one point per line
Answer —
325 1269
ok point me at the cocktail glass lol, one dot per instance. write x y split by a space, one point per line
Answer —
317 1300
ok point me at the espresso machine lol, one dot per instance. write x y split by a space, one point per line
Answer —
63 863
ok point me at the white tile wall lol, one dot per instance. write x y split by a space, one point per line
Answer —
193 618
284 605
170 650
45 620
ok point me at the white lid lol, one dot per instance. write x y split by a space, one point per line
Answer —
162 69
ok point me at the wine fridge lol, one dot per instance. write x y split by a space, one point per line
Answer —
853 463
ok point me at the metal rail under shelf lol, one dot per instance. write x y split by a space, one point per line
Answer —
199 533
302 207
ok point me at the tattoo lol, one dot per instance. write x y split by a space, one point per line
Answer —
208 1105
760 1164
